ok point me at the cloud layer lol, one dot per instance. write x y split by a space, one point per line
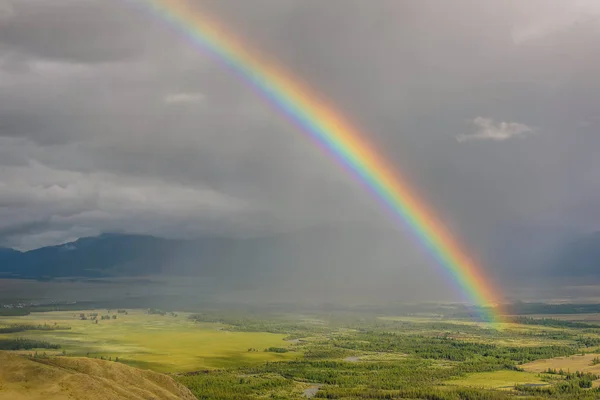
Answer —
487 129
111 121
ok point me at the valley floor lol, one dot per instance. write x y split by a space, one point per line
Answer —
337 355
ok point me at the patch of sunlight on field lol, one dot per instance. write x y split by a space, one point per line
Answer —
161 343
515 342
498 380
567 364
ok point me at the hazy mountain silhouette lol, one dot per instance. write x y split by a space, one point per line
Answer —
9 259
104 255
344 250
328 254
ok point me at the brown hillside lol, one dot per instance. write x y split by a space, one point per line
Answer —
73 378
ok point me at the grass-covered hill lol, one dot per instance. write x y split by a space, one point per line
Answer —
72 378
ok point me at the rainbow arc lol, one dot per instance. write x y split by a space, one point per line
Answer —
342 141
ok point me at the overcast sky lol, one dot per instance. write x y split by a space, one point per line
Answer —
111 121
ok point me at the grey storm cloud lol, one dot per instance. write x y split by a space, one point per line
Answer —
112 121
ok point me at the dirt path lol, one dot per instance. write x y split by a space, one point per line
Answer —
312 390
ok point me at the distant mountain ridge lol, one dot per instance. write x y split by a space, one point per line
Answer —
137 255
8 258
325 252
104 255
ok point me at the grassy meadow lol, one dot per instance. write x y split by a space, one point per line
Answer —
499 380
162 343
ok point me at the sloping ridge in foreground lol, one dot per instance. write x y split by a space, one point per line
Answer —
71 378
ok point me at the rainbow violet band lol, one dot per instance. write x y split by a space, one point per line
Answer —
342 142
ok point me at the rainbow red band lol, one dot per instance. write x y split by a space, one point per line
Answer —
334 132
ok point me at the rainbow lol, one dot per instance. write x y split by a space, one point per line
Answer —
334 133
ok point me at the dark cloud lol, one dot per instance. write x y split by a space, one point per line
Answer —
112 121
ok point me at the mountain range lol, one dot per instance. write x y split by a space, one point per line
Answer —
138 255
351 252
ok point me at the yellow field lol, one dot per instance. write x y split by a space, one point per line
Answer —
567 364
498 380
160 343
